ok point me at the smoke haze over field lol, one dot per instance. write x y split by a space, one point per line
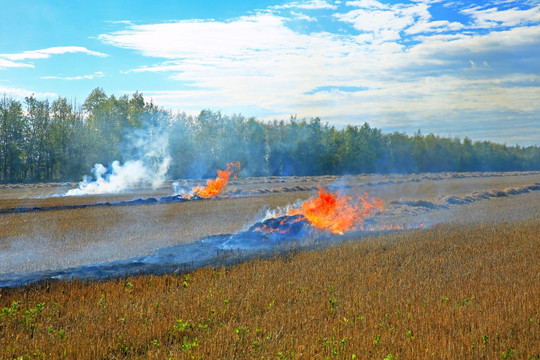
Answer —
193 147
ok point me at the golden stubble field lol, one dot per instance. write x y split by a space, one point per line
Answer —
448 292
467 286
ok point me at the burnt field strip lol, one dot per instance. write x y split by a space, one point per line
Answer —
263 239
147 201
73 232
217 250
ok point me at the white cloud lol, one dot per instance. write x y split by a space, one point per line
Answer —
273 65
367 4
11 64
519 42
22 93
307 5
300 16
187 39
46 53
257 62
492 17
434 27
15 60
97 74
163 67
384 22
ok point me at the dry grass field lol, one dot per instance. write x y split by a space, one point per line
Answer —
465 287
448 292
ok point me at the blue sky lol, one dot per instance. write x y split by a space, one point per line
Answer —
449 67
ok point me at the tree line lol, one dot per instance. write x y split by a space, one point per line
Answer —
44 141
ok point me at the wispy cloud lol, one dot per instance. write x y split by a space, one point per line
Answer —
301 16
22 93
384 22
438 26
12 64
490 16
97 74
367 4
19 60
47 53
307 5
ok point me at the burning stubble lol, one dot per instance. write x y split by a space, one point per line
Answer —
338 213
330 211
213 187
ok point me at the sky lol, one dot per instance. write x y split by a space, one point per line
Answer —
448 67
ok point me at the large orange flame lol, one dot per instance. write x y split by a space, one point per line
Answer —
215 186
337 213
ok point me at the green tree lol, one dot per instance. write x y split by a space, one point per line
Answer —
68 133
397 154
361 149
254 146
12 141
38 136
105 118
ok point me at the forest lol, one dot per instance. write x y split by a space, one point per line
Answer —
62 141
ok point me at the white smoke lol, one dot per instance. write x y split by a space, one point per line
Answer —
119 178
148 165
282 210
183 187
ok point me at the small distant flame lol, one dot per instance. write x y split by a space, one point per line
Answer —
336 212
215 186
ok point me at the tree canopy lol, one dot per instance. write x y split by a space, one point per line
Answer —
42 141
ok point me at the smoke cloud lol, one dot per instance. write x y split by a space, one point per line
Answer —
148 164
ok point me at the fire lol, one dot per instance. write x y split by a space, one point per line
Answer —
215 186
265 228
336 212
